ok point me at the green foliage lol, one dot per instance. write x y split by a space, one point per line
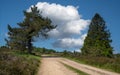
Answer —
65 53
17 63
16 38
69 54
34 25
43 51
97 42
111 64
75 70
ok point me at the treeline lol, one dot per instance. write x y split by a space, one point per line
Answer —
39 51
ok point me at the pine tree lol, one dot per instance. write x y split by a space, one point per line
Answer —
15 40
97 42
34 25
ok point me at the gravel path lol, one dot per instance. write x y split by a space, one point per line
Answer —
86 68
52 66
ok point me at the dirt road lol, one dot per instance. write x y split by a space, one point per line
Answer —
53 66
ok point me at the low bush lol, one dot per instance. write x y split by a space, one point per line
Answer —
16 63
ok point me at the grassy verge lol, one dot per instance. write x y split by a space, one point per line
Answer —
101 62
75 70
17 63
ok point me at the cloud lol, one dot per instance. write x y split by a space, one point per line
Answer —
76 50
58 12
70 42
69 24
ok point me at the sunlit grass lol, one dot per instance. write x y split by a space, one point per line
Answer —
75 70
110 64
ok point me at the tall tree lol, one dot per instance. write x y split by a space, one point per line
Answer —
34 25
97 42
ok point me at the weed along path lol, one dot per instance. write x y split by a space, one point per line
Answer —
55 66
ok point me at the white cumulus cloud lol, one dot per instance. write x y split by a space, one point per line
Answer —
70 42
69 24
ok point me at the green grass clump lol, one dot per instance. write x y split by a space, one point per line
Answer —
16 63
75 70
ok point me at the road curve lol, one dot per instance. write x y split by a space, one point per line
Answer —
86 68
53 66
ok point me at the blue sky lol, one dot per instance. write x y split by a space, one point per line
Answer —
11 12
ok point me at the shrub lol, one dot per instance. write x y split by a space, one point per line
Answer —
15 64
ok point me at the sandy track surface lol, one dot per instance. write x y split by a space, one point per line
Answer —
86 68
52 66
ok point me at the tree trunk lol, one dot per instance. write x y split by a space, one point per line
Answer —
29 46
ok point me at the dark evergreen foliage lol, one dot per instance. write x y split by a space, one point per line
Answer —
34 25
16 38
97 42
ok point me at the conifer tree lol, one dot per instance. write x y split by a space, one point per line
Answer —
97 42
34 25
15 40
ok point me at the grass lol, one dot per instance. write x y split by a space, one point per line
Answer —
75 70
110 64
18 63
